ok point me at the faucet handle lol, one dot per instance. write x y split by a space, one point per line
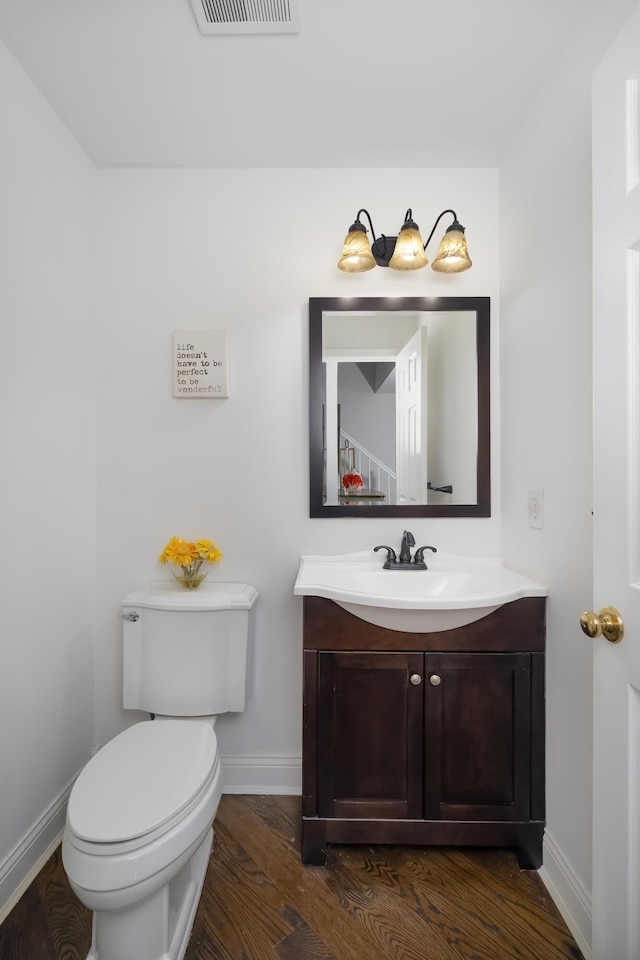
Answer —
391 554
419 554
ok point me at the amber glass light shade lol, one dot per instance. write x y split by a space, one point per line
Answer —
409 252
453 256
356 254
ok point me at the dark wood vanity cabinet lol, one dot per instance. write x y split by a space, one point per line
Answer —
424 738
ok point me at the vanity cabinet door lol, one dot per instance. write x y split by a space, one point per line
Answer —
369 735
477 736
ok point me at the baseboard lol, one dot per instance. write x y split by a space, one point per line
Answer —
568 893
268 775
22 866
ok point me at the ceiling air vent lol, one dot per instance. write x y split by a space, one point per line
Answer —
247 16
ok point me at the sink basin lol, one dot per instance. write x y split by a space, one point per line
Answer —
454 591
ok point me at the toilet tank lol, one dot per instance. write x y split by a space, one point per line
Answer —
185 651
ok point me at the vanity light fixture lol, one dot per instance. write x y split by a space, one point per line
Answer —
406 251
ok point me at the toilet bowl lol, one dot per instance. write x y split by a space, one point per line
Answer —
138 837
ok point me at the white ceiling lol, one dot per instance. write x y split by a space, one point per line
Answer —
366 83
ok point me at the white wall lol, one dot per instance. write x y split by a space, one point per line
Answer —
236 470
545 199
47 479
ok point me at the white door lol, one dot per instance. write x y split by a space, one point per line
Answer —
411 446
616 172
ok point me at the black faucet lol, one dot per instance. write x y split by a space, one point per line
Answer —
408 541
405 562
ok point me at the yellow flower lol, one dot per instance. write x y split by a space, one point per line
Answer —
208 551
179 552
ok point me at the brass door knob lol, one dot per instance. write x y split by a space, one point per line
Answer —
608 623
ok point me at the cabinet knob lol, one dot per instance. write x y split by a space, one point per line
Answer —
416 679
435 680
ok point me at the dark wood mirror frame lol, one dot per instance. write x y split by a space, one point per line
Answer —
481 307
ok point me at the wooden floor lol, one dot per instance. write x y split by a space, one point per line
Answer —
370 903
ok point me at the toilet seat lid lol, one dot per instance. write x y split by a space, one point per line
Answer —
141 779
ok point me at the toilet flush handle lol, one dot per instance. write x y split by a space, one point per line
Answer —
132 616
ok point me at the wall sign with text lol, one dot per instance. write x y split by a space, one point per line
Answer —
200 364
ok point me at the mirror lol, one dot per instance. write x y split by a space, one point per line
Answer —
399 399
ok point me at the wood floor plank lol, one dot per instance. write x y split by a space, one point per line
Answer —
377 906
467 930
65 914
306 888
477 892
465 934
240 908
303 942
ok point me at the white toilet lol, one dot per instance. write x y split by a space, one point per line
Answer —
139 821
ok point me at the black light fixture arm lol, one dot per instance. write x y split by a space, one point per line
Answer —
358 221
435 226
